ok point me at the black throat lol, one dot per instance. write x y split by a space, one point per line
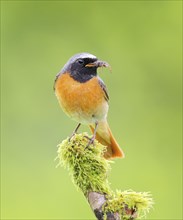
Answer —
84 74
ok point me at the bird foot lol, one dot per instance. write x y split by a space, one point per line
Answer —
91 141
72 135
74 132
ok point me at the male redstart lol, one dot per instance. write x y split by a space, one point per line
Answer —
83 97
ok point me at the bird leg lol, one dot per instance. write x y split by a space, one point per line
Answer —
91 140
75 131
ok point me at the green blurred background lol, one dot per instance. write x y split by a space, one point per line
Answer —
142 42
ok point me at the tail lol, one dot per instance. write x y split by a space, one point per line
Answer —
105 137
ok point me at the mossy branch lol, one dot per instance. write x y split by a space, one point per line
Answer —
89 171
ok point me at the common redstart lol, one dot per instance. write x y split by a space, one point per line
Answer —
83 97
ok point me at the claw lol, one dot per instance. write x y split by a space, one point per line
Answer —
91 140
74 132
87 137
72 135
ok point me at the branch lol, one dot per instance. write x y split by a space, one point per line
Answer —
89 171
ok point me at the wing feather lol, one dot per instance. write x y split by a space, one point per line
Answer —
104 88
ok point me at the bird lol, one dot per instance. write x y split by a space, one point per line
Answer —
83 96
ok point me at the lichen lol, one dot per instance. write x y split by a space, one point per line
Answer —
89 172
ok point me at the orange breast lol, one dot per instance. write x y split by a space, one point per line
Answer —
81 101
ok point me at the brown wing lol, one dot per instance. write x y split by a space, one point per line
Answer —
104 88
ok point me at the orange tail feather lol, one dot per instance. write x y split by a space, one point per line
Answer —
105 137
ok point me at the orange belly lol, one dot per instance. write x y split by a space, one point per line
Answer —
84 102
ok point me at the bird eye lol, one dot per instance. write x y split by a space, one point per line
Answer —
80 61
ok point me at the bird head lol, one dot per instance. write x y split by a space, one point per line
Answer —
83 66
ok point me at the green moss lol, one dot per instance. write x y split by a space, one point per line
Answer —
127 203
89 171
86 165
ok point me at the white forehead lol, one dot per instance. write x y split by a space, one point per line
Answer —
82 56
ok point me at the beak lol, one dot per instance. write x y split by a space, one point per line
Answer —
97 64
